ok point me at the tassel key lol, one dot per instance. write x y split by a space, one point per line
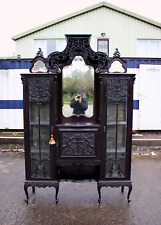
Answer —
52 141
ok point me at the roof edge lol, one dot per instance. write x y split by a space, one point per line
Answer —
82 11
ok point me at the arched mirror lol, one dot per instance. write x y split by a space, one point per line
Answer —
78 88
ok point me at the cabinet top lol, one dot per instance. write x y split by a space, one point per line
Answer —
78 45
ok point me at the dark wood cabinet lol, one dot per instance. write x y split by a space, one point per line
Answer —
95 146
116 121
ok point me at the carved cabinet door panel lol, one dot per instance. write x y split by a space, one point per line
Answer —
38 109
118 126
78 143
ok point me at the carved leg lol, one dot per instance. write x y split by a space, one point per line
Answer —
33 190
99 193
26 192
129 192
122 189
56 194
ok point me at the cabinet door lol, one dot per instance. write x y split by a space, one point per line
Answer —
39 150
116 153
78 143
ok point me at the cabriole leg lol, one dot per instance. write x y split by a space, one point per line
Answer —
26 192
99 193
129 192
56 194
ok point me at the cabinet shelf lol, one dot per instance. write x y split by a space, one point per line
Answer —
112 150
41 124
118 123
45 151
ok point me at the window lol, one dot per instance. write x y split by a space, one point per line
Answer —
50 45
149 48
103 45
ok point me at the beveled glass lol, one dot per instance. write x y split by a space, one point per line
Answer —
116 139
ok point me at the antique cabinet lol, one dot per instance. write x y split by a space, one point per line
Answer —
94 145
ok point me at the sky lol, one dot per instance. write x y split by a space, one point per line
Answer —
17 16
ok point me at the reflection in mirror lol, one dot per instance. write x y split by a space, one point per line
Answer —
78 88
39 66
116 66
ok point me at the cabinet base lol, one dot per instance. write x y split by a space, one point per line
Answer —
41 184
113 184
100 184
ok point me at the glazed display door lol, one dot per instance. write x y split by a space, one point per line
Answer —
118 128
117 138
39 105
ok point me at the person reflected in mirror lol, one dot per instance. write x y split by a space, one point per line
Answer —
79 104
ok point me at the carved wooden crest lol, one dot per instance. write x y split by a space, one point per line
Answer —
77 45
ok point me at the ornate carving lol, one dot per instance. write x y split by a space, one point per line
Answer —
38 64
40 53
78 144
119 61
40 169
41 184
116 53
115 168
113 184
117 90
39 90
77 45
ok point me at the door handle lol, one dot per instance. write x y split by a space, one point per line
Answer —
52 141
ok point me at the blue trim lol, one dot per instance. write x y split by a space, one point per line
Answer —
11 104
136 104
6 64
135 62
18 104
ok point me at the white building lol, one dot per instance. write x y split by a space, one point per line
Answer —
110 26
137 38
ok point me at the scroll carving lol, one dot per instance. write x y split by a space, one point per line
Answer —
117 90
39 90
40 169
78 144
115 168
77 46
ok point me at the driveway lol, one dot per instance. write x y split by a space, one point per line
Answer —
78 201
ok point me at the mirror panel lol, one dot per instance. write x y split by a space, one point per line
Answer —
78 88
39 66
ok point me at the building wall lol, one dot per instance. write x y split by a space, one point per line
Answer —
146 108
121 30
11 99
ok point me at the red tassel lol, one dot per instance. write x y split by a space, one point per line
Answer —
52 141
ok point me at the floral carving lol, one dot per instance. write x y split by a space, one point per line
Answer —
77 46
78 144
117 90
115 168
39 90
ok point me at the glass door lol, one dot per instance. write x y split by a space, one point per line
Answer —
39 126
116 128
